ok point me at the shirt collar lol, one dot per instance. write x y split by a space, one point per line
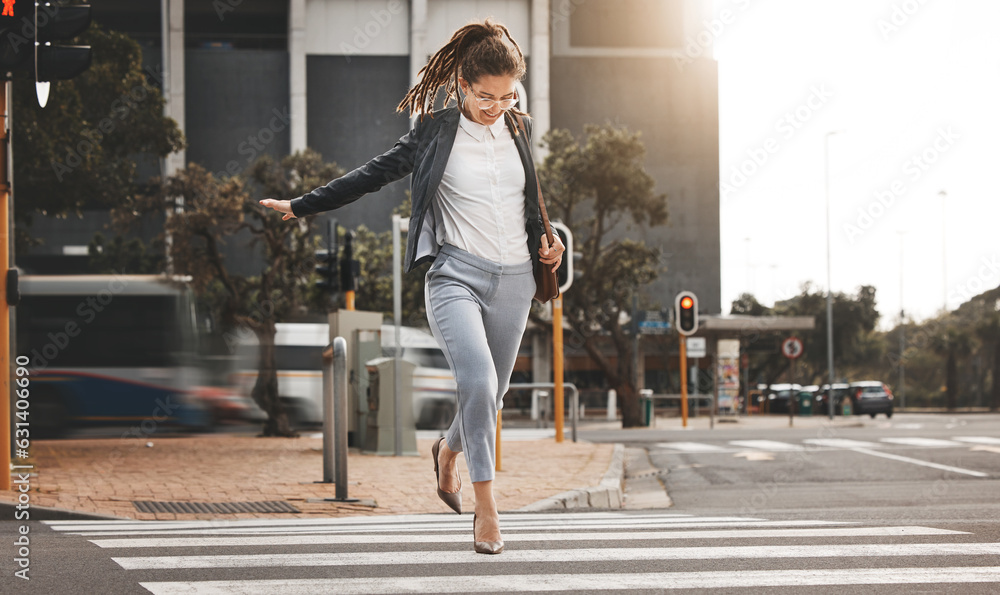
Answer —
478 131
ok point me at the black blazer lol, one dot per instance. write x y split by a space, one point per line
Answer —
423 151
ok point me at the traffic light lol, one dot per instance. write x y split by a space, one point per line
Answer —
686 306
350 269
328 270
565 273
28 32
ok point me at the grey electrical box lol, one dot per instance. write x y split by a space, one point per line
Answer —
380 431
366 344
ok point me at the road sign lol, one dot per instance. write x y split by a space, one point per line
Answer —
792 348
696 347
654 322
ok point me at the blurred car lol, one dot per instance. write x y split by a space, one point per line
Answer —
779 396
871 397
227 407
841 392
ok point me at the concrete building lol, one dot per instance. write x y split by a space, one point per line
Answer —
245 77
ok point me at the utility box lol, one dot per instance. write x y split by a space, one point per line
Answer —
365 345
380 433
805 404
343 323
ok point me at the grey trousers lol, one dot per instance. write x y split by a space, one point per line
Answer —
477 310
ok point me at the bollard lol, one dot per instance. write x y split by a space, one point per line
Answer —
335 418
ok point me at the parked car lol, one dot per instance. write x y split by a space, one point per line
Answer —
841 395
779 396
871 397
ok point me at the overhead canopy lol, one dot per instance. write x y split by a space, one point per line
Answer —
744 323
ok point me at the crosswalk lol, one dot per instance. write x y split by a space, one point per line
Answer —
732 446
552 552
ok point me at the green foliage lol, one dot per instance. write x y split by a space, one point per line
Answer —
119 255
600 189
80 151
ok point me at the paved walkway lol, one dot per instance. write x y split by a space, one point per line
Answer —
105 475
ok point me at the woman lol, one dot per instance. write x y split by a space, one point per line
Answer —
475 214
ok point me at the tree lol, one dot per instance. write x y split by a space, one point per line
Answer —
374 252
215 210
81 150
600 189
747 305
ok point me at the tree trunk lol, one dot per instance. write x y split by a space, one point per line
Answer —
951 380
265 390
628 399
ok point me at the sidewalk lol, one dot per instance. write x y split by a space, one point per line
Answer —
104 476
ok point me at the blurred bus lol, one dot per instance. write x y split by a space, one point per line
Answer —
110 350
298 351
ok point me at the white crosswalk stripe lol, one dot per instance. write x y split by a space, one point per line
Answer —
768 445
598 551
979 440
692 447
916 441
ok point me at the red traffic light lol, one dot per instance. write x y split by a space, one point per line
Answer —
686 303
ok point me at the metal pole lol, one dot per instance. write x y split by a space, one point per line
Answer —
569 386
5 367
557 366
340 413
902 330
944 249
397 312
829 285
329 424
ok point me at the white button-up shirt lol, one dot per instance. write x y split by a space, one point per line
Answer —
479 205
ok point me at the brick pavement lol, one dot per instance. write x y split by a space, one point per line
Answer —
104 475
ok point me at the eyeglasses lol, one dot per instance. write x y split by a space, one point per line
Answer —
486 103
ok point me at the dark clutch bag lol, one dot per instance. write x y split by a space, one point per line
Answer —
546 283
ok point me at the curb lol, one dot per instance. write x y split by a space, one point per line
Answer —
606 495
45 513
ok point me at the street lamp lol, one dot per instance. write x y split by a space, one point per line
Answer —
944 249
902 327
829 286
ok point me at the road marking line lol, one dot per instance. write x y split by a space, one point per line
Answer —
583 582
979 439
914 441
840 443
461 538
555 530
603 554
692 447
922 463
755 455
767 445
995 449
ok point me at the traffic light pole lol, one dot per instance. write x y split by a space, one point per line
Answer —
684 381
557 365
4 307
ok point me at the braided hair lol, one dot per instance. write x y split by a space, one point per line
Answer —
474 50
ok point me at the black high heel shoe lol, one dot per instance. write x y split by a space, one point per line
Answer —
485 547
452 499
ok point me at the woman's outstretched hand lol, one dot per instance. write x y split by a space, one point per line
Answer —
282 206
551 255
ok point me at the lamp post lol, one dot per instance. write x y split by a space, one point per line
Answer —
829 286
902 328
944 249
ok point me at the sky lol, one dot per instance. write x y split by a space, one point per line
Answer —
911 90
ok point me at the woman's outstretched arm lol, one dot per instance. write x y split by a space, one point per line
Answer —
390 166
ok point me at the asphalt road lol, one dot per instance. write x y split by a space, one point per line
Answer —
899 506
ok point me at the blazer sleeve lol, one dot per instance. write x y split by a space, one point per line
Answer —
388 167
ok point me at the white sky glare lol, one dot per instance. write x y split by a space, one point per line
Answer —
915 87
